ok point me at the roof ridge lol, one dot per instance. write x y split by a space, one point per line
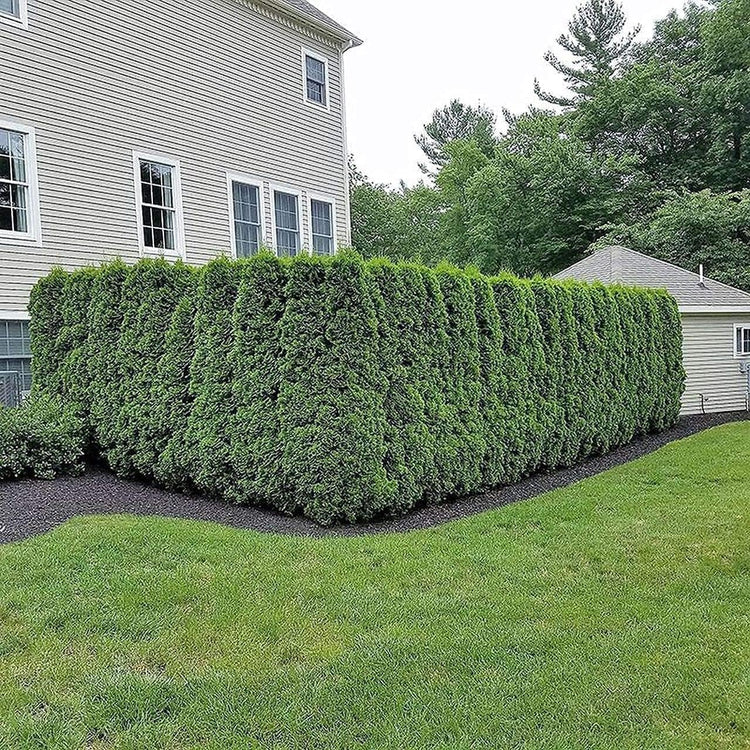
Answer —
679 268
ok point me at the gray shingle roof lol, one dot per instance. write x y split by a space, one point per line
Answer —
620 265
309 10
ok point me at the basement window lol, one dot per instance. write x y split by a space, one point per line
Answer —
15 359
741 341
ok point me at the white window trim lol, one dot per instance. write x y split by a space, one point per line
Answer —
34 236
179 234
15 316
738 327
22 21
321 58
255 182
277 187
323 199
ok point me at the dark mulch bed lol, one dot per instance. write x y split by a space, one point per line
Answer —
29 507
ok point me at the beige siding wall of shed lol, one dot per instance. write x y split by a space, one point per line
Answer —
217 84
711 367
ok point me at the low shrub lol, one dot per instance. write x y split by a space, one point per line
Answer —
40 439
345 389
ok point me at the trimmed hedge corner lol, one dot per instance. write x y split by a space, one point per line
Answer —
345 389
40 439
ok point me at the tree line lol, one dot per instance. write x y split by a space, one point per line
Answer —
646 145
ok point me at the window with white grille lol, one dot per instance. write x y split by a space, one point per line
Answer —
322 227
15 350
159 205
19 204
316 79
742 340
247 216
286 223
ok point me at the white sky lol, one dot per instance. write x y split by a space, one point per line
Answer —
419 54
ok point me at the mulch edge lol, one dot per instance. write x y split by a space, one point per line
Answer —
29 507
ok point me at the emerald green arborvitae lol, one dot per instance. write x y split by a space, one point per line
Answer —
151 292
105 374
547 378
46 329
172 400
349 390
407 458
493 384
331 401
257 357
73 341
462 423
209 427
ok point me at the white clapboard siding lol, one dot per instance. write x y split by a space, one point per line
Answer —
711 367
217 84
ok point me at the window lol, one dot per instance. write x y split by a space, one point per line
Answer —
286 223
13 12
322 227
316 79
742 341
19 200
159 205
15 350
245 200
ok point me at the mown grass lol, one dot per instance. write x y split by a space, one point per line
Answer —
613 614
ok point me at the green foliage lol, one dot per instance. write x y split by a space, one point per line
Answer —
646 130
597 44
456 122
699 228
40 439
349 390
331 400
45 327
104 373
172 400
208 434
399 224
257 359
73 338
151 292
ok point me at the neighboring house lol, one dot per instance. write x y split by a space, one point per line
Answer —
185 129
715 324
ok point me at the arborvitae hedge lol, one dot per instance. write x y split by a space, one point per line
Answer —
348 390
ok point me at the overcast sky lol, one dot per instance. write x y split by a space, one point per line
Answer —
419 54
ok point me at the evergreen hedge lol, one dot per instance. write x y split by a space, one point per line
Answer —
345 389
40 439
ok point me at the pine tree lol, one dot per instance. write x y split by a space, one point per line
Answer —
454 122
598 43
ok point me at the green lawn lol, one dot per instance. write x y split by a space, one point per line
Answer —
613 614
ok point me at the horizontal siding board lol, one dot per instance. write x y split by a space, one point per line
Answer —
714 380
217 85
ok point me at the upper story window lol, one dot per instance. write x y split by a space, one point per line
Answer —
159 199
13 12
245 200
19 198
322 227
286 223
742 341
316 79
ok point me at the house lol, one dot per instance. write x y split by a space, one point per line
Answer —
184 129
715 324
